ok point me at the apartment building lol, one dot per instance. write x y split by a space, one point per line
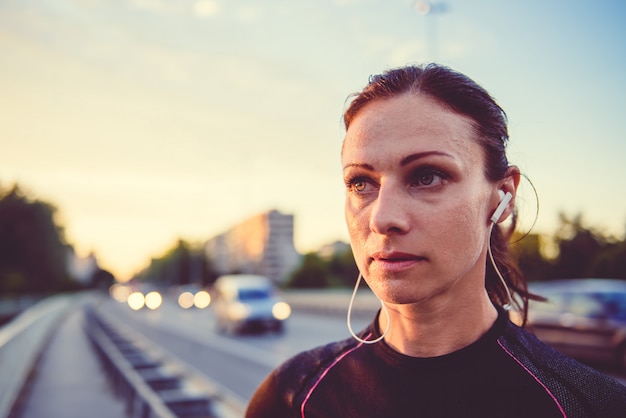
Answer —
262 244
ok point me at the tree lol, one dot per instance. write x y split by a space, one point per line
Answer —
317 271
343 269
33 252
102 279
611 262
578 247
530 259
180 265
312 273
209 275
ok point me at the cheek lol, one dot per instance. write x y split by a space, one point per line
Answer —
464 230
357 223
356 218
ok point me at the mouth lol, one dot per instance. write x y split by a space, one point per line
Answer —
395 261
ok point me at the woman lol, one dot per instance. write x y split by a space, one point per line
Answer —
428 183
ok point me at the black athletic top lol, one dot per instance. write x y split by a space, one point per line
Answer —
506 373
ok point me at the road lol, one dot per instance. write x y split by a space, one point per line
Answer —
238 363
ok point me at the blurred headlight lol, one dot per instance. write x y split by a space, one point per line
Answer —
281 310
120 292
153 300
202 299
185 300
238 311
136 301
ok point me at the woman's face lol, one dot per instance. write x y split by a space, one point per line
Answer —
418 202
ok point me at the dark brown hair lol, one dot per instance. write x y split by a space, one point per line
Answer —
462 95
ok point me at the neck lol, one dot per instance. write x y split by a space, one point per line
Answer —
435 328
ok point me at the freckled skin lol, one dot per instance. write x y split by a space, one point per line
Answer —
444 223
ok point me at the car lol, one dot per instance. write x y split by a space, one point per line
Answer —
247 302
583 318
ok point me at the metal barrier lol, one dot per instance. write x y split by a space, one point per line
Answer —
21 341
151 383
334 302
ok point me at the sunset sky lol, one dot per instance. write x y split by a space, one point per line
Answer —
145 121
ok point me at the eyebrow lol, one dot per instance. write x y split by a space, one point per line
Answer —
419 155
405 161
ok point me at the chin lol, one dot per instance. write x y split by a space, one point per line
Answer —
396 295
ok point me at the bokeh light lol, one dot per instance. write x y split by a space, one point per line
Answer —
153 300
136 301
185 300
120 292
281 310
202 299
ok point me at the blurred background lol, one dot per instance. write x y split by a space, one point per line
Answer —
157 145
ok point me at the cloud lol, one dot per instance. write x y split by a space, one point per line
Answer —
206 8
158 7
249 13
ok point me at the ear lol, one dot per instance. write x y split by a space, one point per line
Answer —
508 184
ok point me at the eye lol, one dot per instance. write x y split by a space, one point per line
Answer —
428 177
358 185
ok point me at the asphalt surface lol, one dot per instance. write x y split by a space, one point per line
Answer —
67 380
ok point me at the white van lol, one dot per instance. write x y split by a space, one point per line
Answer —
246 302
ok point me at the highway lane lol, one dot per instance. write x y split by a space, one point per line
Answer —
238 363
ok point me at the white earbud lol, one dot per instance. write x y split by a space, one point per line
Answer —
505 198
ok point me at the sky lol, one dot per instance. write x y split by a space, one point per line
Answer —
146 121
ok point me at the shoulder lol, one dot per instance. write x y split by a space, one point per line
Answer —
580 389
287 386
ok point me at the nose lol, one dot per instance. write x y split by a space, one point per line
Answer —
389 213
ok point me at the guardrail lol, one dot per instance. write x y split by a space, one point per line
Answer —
151 382
334 301
21 341
11 306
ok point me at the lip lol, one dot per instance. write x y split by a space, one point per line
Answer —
394 261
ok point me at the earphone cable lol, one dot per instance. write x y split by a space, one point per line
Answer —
507 305
384 308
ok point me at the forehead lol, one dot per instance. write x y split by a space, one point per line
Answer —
410 123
